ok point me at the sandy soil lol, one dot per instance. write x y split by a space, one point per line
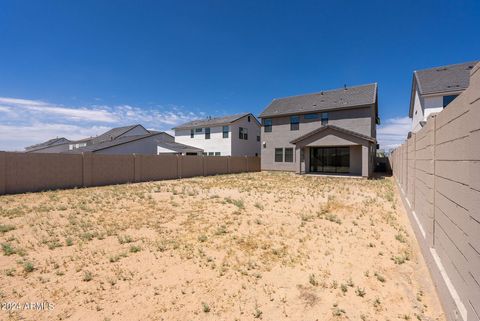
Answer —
271 246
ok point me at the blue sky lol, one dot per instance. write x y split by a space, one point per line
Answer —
77 68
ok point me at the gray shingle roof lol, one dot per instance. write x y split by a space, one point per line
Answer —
211 122
113 133
324 100
110 143
48 143
180 148
444 79
128 139
340 129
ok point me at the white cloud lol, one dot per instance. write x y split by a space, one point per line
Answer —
14 137
25 122
393 132
38 107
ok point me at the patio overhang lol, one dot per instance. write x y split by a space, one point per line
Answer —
361 148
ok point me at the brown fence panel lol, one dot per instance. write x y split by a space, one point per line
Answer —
238 164
156 167
112 169
443 198
425 179
191 166
411 170
473 232
215 165
253 164
37 172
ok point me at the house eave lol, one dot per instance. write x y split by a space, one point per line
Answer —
262 116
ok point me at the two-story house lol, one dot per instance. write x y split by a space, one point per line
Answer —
433 89
327 132
233 135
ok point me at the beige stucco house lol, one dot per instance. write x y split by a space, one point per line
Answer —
331 132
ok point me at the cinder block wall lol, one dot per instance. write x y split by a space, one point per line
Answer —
438 172
32 172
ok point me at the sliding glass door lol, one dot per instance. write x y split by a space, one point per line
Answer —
330 159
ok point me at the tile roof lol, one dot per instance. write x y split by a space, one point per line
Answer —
325 100
210 122
444 79
340 129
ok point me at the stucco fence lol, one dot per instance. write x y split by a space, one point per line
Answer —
438 173
32 172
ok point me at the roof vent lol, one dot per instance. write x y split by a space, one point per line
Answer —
470 67
345 86
442 69
321 93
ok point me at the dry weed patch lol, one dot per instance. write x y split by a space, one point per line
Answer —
270 246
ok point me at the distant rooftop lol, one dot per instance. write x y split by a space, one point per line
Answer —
210 122
110 143
444 78
346 97
48 143
114 133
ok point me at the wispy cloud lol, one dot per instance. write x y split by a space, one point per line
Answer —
37 107
24 122
393 132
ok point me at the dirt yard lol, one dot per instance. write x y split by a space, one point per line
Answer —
271 246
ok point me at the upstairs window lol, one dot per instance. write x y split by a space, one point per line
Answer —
217 154
267 125
294 122
198 130
448 99
324 118
242 133
207 132
310 116
192 133
248 118
225 131
258 138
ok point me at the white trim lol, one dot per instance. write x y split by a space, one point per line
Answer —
451 288
419 224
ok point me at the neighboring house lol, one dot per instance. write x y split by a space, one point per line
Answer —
55 145
234 135
327 132
433 89
151 143
122 140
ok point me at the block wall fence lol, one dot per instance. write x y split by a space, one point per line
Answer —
438 173
32 172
